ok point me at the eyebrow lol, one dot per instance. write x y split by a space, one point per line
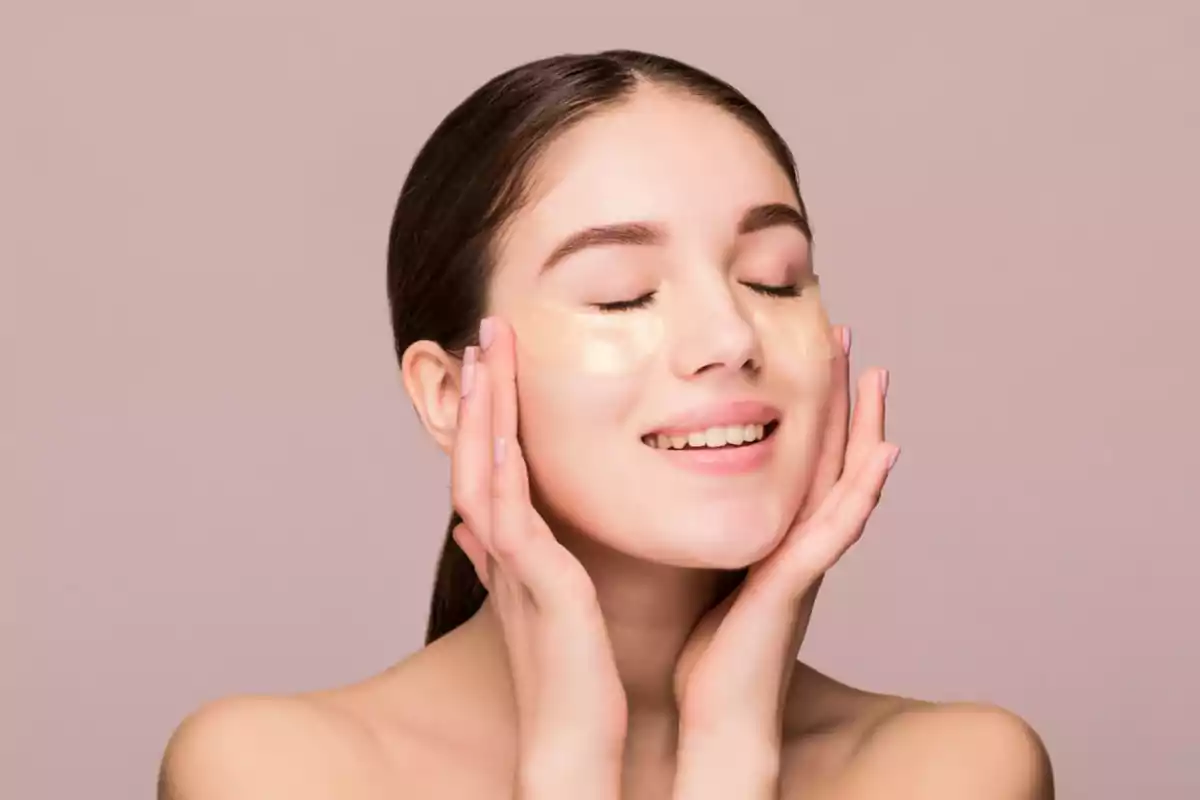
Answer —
757 218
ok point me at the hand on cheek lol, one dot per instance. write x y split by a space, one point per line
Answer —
570 702
733 675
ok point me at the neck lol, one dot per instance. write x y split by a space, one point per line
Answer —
650 611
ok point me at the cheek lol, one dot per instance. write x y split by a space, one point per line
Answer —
604 347
799 346
813 379
810 382
564 414
577 439
579 375
798 332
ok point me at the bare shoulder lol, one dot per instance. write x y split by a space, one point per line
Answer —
849 743
425 727
951 750
270 746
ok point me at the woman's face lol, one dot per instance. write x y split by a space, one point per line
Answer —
673 356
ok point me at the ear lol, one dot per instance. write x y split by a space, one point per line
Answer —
433 379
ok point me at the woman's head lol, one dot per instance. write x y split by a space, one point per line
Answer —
639 224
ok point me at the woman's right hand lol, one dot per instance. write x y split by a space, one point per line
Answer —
571 707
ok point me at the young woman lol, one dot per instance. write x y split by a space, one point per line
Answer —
605 309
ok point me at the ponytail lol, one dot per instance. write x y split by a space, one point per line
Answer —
457 592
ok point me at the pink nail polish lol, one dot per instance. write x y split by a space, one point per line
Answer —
883 382
498 450
891 462
486 332
846 340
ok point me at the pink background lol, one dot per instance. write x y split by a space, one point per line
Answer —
213 483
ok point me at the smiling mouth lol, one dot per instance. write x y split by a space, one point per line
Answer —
720 437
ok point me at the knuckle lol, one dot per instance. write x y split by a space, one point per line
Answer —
867 492
504 543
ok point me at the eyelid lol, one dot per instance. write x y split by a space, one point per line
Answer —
617 306
773 269
783 290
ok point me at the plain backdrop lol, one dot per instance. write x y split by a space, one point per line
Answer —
213 482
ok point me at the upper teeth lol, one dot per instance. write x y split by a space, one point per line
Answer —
710 437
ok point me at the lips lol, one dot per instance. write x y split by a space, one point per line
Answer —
732 424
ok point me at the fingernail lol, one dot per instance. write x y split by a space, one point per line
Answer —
883 382
498 451
486 332
468 371
891 462
846 340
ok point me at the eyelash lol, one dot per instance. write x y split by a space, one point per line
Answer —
791 290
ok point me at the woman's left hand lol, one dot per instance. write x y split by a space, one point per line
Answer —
732 678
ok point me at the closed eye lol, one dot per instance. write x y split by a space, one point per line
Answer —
626 305
789 290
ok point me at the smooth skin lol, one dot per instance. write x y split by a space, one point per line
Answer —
426 728
594 671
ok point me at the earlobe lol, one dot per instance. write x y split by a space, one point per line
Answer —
432 378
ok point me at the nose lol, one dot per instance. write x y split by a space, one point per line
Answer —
714 335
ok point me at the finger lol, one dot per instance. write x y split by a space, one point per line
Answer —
867 425
513 517
508 518
476 553
833 441
500 356
842 520
850 516
521 540
470 457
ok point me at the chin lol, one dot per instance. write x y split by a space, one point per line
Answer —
726 532
704 536
719 540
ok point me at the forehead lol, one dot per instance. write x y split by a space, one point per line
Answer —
661 156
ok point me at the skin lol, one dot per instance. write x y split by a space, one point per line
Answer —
599 666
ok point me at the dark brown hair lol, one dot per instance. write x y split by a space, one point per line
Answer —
470 178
